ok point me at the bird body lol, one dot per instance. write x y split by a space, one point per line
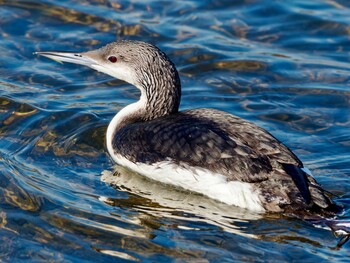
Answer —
207 151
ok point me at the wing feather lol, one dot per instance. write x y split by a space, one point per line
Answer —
225 144
205 138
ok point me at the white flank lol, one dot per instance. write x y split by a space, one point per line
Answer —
198 180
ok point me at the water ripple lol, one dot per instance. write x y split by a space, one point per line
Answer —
283 65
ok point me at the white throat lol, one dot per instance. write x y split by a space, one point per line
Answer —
120 118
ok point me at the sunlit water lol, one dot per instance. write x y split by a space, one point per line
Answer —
282 64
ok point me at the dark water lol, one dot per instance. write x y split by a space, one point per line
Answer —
281 64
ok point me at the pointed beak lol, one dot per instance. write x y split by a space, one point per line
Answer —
93 59
75 58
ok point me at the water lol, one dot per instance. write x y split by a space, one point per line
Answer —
282 64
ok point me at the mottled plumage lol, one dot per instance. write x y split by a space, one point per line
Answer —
225 144
203 150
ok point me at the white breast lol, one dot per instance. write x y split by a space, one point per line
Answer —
198 180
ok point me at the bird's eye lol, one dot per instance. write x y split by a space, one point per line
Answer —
112 59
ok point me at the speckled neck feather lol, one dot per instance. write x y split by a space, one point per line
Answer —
161 83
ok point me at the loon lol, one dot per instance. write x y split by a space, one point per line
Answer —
207 151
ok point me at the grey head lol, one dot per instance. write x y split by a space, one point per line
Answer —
138 63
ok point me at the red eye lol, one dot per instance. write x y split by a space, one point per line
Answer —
112 59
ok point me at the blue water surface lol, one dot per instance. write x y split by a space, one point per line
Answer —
283 65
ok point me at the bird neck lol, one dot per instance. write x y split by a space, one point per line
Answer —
160 94
159 97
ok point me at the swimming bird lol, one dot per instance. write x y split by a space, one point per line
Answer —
206 151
